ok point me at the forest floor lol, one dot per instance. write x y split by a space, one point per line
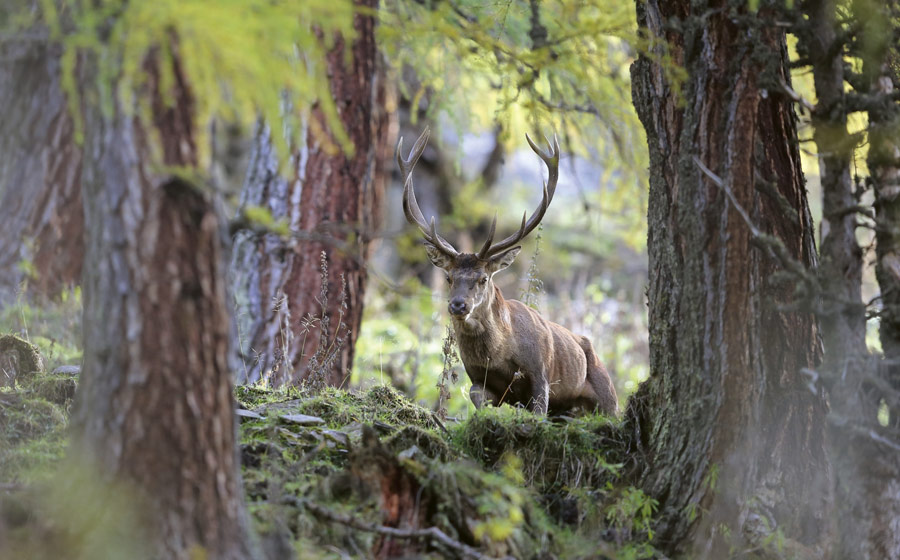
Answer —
342 474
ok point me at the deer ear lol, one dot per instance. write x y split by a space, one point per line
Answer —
438 258
504 259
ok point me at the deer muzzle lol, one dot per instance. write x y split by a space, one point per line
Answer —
458 306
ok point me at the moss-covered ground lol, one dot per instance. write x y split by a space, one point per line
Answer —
324 473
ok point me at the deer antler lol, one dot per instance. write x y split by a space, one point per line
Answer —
551 158
410 204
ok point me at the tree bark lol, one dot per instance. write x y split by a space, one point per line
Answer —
260 265
732 435
866 471
337 214
41 219
154 406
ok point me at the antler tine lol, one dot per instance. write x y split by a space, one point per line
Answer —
407 165
551 158
490 239
410 204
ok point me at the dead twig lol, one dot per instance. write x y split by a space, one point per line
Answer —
796 97
432 533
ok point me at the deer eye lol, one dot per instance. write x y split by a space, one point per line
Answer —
483 281
449 280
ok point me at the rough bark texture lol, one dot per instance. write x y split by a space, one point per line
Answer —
154 407
41 219
260 265
732 435
335 196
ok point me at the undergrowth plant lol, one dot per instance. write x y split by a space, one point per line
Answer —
328 348
448 374
534 286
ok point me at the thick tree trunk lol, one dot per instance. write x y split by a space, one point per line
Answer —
154 406
339 200
41 218
732 435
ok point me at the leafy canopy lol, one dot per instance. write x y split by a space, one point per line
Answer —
244 59
526 66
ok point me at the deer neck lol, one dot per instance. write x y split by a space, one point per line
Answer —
491 316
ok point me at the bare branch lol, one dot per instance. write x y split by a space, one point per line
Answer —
796 97
432 533
721 184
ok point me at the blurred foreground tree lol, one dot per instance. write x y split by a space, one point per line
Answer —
154 405
41 220
294 328
731 439
154 408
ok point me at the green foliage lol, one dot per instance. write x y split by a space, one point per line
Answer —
631 516
533 66
243 59
260 217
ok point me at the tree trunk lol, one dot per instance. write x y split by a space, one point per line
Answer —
884 166
260 265
732 435
867 474
41 218
154 406
300 324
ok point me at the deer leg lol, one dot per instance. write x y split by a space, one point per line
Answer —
540 394
481 394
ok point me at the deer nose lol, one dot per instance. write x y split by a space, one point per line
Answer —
458 307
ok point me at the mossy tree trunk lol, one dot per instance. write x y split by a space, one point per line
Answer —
333 201
731 435
154 406
41 219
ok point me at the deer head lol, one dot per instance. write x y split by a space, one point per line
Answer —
470 275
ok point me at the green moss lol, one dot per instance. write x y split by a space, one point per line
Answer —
339 408
32 436
29 418
33 460
25 356
253 396
556 456
55 388
428 442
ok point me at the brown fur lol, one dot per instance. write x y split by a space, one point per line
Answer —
513 355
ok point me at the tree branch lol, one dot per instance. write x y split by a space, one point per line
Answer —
432 533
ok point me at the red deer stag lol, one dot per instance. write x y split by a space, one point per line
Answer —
511 353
